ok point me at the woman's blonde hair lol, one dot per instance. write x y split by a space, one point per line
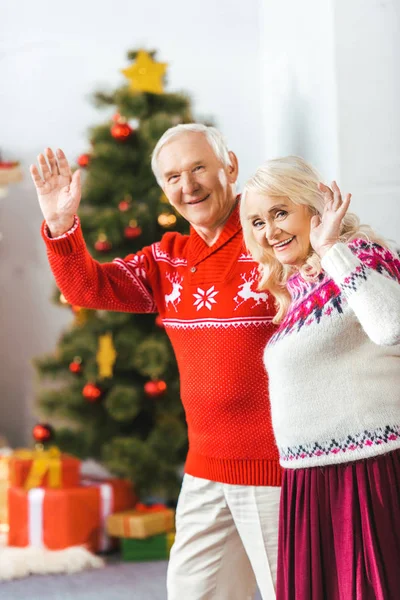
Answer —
297 180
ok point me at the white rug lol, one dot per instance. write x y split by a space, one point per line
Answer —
21 562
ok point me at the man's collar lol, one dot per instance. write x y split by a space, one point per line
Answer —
199 249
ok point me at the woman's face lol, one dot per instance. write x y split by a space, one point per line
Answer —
280 224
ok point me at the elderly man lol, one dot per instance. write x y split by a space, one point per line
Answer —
204 286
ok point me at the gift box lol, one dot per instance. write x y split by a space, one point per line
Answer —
59 518
43 468
4 485
156 547
142 522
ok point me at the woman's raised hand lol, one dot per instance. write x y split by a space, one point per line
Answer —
59 192
325 229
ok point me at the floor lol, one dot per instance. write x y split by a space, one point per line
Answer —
117 581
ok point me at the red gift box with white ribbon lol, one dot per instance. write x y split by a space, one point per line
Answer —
59 518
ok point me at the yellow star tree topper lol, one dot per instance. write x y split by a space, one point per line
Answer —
145 74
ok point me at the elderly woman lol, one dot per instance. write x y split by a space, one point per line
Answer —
334 373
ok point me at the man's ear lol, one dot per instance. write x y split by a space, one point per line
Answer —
233 168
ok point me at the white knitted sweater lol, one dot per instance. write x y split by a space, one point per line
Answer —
334 363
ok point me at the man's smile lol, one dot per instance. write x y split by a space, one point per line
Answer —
198 200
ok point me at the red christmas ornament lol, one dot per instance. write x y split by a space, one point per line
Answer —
76 365
121 131
91 392
83 160
132 232
155 388
159 322
102 244
124 205
42 432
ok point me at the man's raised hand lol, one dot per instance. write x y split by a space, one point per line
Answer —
59 192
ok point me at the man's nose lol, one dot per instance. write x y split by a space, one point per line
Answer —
189 183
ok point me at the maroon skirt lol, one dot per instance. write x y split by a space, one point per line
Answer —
339 531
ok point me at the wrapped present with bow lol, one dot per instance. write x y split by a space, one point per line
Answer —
5 454
142 522
59 518
156 547
43 468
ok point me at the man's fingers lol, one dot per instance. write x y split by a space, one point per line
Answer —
63 164
75 186
37 180
52 161
44 167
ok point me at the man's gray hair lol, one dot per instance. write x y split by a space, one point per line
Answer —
213 136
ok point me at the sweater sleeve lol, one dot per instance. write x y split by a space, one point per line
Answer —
369 277
121 285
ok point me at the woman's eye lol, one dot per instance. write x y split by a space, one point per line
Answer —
280 214
257 224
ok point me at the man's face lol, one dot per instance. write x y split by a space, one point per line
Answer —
195 181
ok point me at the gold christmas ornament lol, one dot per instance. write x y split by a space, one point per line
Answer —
81 315
164 199
166 219
145 75
106 356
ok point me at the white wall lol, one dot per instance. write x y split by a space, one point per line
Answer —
367 55
52 57
298 79
331 93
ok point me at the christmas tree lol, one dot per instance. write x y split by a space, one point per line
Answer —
117 387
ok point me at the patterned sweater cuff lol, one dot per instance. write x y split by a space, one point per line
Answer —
339 262
71 241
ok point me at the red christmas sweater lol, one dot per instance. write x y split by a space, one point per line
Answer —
218 324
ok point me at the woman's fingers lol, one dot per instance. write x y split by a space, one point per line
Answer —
315 221
337 195
326 191
344 206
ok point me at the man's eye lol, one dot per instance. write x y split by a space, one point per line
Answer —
198 168
172 178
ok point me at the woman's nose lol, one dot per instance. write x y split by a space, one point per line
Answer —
271 231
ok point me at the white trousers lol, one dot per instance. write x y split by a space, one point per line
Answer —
226 541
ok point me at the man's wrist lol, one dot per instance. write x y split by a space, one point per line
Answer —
58 229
